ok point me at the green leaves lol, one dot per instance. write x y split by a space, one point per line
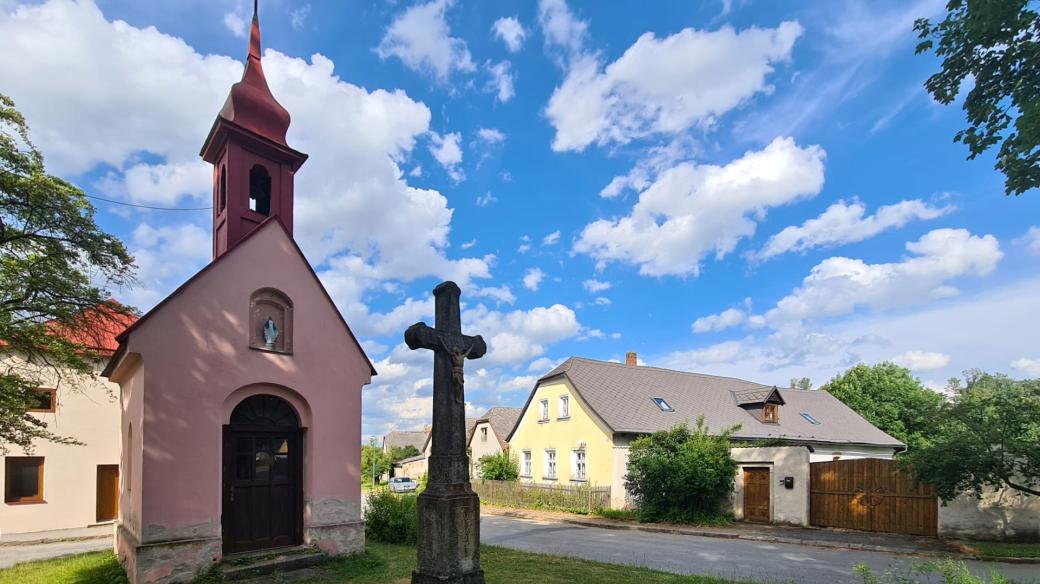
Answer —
988 435
56 266
681 475
499 467
991 48
892 399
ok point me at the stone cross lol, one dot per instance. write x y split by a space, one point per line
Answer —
449 510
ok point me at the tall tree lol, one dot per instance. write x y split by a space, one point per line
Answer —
374 462
55 266
987 436
889 397
992 47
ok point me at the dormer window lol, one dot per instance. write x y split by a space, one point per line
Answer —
662 405
771 413
260 190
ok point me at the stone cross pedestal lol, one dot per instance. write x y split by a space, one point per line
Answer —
449 510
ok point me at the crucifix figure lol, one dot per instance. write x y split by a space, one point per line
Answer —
449 510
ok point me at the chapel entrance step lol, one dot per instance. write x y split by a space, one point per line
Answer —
251 564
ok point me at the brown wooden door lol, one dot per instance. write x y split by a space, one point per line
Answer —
871 494
756 494
107 492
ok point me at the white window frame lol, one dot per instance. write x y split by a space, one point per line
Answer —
565 407
549 469
527 463
544 411
579 465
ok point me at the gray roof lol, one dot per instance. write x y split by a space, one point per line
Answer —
502 420
416 438
621 395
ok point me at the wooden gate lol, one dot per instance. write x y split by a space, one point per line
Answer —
872 495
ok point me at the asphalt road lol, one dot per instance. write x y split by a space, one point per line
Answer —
730 558
16 554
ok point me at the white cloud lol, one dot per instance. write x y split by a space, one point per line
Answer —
511 32
603 301
839 285
235 23
448 153
691 210
951 327
542 365
1031 240
559 25
469 244
421 38
342 193
491 135
922 360
594 285
845 223
502 294
665 86
533 279
165 255
551 239
727 318
486 199
521 335
1030 367
298 16
502 81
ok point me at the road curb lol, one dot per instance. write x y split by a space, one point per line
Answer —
619 525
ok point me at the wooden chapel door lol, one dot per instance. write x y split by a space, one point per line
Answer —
263 466
107 492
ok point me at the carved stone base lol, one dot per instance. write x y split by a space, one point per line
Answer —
449 536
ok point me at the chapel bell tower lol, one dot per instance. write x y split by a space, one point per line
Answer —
253 167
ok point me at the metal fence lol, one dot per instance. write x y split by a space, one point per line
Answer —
550 497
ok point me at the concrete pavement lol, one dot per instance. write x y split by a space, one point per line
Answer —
730 558
18 553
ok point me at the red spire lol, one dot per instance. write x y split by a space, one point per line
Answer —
250 104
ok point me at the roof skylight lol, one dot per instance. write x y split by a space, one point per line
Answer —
809 418
659 401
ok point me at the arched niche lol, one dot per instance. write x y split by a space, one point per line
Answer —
270 321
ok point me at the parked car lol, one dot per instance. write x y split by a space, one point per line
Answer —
402 485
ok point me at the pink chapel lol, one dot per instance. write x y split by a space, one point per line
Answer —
241 391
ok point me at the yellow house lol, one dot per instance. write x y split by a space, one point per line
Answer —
581 417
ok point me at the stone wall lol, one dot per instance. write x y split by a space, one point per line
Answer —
790 506
1000 515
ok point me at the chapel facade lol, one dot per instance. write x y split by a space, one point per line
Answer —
240 393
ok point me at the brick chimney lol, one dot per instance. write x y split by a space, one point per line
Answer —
630 359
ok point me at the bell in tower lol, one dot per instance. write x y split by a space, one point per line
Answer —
253 166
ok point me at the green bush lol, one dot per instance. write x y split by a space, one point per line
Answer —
951 572
391 518
681 475
499 467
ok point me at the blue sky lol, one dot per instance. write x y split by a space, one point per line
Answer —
754 189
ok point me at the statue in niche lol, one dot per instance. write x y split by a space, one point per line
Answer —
270 333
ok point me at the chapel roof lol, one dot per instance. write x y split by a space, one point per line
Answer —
250 104
622 396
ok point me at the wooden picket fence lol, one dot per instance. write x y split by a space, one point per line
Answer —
549 497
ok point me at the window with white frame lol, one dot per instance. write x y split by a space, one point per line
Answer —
578 464
549 472
483 434
525 470
544 412
565 406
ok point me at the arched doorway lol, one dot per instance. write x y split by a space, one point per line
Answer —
263 476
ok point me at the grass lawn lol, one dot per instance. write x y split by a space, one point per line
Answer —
1006 550
379 564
